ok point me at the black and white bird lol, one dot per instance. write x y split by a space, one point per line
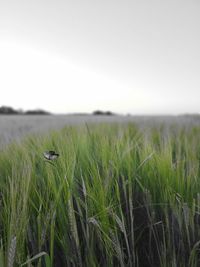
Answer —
50 155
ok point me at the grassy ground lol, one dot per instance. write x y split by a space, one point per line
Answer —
16 127
118 195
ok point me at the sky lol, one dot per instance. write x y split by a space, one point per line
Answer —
136 57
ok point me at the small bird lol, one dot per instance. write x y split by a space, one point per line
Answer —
50 155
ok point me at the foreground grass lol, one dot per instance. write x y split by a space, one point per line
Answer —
116 196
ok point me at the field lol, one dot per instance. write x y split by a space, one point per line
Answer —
125 191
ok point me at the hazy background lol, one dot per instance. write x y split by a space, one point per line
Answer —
139 57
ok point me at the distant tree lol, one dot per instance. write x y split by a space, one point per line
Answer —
97 112
100 112
8 110
37 112
108 113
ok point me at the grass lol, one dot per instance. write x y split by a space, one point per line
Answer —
118 195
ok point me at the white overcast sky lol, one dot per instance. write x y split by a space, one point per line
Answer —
139 57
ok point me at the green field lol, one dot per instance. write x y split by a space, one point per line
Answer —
118 195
